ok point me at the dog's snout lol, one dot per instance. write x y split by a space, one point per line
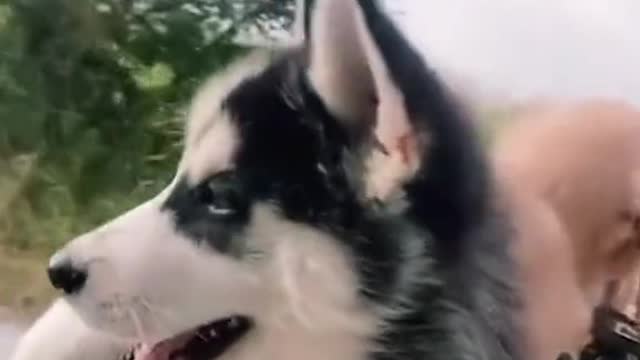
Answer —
66 276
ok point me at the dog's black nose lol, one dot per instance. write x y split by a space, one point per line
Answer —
65 276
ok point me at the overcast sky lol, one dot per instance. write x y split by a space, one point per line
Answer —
525 48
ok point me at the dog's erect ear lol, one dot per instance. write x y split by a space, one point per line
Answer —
353 47
339 68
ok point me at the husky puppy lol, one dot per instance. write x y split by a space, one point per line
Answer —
331 203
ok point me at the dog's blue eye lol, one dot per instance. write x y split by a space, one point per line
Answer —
219 196
221 203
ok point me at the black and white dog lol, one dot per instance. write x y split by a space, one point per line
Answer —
331 203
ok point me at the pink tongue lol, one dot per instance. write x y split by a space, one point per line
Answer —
163 349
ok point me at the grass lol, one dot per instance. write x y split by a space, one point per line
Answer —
29 235
24 287
37 217
28 238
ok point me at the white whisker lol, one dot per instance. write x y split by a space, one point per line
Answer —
138 325
155 311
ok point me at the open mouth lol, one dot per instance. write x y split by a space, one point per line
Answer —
205 342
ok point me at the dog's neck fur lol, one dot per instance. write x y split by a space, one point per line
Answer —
294 341
311 307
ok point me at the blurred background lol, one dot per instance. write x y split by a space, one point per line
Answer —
92 94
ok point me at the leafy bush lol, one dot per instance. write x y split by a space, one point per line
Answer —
91 100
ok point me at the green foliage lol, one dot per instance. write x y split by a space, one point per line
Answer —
91 94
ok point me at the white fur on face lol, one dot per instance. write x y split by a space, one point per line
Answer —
204 109
213 153
309 297
44 339
211 138
147 281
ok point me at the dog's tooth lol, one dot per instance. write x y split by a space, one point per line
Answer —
130 355
202 336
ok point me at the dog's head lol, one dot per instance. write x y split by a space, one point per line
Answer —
286 162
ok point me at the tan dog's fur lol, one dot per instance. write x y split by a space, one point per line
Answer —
569 176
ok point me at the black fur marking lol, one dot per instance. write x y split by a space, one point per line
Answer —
292 156
190 206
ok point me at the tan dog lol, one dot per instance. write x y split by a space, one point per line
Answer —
569 175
